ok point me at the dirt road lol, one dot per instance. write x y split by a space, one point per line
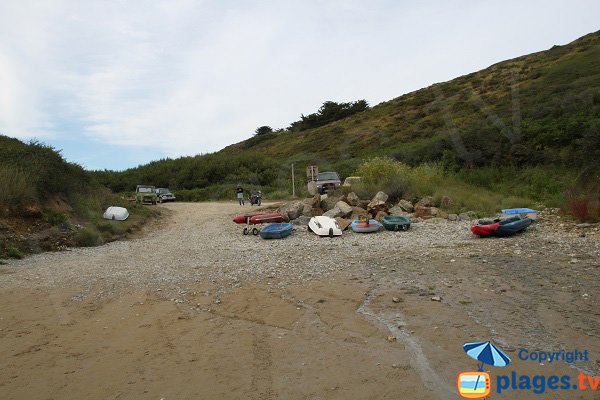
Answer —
194 310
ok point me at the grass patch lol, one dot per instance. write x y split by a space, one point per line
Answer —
88 237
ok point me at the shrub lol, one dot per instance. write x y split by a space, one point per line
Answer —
54 217
386 174
87 237
584 205
13 252
17 185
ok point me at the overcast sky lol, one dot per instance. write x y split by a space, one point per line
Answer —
115 84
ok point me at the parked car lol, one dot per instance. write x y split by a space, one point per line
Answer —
164 195
327 181
145 194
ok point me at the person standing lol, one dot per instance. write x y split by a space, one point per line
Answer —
240 194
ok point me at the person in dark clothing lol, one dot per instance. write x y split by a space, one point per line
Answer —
240 194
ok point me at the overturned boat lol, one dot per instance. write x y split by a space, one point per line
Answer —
324 226
276 231
395 223
116 213
504 227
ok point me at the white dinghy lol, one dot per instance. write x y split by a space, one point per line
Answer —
116 213
324 226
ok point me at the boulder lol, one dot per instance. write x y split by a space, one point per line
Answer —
292 210
344 207
453 217
378 201
327 203
464 217
357 212
334 213
406 205
397 210
301 221
426 201
422 212
380 215
343 223
353 199
312 188
316 211
446 202
307 210
316 201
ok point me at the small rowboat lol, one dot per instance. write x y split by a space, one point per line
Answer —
395 223
256 219
324 226
365 226
276 231
504 227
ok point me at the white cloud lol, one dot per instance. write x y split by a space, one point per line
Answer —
194 76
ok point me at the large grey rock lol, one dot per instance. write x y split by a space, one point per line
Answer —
426 201
292 210
397 210
307 210
353 199
334 213
312 188
344 207
464 217
329 202
406 205
453 217
378 201
301 221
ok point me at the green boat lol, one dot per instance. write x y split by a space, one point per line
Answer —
395 223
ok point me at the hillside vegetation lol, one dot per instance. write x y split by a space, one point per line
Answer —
47 203
528 127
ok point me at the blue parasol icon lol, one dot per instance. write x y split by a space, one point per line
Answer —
486 353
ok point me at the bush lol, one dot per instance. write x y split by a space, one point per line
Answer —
12 252
55 218
87 237
584 205
386 174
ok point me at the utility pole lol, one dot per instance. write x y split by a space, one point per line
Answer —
293 182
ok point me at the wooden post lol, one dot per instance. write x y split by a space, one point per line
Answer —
293 182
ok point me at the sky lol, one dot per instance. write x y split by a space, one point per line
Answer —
116 84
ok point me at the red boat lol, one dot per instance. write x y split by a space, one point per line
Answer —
485 230
256 219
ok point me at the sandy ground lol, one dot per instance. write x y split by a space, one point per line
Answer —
194 310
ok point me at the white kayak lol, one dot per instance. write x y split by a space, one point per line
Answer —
116 213
324 226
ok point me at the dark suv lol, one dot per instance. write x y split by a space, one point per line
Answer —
164 195
328 181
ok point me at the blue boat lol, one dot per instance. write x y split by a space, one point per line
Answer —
512 226
276 231
364 226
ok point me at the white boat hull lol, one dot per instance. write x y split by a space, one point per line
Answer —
324 226
116 213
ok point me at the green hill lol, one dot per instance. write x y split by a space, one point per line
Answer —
529 127
47 203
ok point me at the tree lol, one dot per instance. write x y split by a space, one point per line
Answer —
263 130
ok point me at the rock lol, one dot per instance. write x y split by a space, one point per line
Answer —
292 210
396 299
329 202
344 207
316 211
464 217
585 225
426 201
343 223
453 217
391 338
378 201
312 187
446 202
436 298
307 210
406 205
353 199
334 212
301 221
422 212
380 214
397 210
316 201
